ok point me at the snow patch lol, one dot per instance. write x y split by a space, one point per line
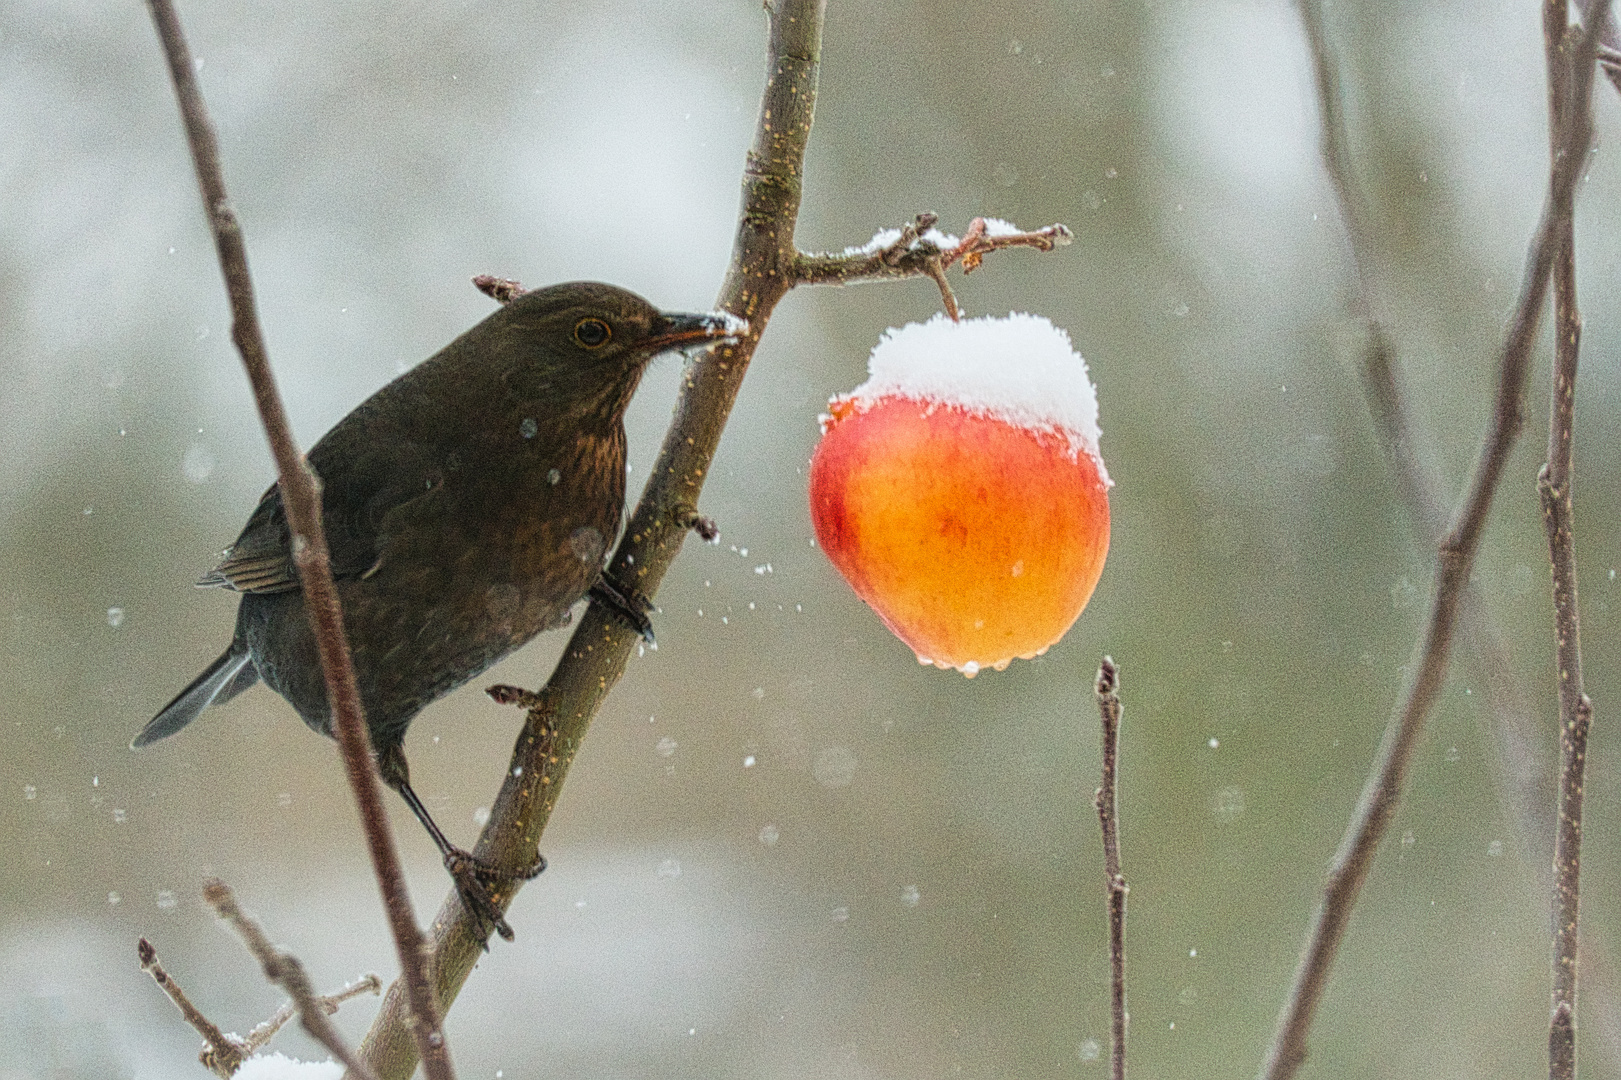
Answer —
1020 368
281 1067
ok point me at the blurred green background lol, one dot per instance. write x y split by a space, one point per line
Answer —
786 850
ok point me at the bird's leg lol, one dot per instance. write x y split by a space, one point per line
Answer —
630 606
474 877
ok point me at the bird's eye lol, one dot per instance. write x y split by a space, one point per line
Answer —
592 333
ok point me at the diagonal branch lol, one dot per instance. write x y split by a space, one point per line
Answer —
301 498
1522 770
600 648
223 1054
1523 775
1455 558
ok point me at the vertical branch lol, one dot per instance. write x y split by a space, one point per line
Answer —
1108 693
1554 486
758 277
1455 558
301 498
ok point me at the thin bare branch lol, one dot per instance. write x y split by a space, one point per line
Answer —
1523 777
1108 694
1555 487
223 1055
285 970
301 497
1375 808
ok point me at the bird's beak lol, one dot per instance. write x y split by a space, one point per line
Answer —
681 330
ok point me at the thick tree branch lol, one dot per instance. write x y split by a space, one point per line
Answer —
300 494
758 277
1375 808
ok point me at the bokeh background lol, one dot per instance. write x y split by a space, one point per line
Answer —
786 850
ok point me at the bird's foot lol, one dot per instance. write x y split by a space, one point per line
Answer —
477 883
630 606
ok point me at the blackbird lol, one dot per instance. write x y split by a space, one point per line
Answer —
468 505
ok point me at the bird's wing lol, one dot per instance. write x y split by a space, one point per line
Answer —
355 496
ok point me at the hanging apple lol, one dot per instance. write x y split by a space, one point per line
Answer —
960 491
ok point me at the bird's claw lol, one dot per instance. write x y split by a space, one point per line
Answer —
630 606
475 881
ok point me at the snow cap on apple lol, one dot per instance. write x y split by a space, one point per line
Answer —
960 490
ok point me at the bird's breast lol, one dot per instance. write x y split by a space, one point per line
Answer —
508 536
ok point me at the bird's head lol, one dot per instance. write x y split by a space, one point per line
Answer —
591 342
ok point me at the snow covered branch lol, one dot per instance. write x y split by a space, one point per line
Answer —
920 249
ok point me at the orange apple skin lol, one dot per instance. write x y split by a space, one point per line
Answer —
975 540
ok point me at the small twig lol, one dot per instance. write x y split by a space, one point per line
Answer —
501 290
1382 791
1555 488
285 970
301 499
919 250
223 1055
934 268
687 517
1108 693
503 694
980 241
261 1035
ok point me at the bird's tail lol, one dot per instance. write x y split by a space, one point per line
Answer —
225 678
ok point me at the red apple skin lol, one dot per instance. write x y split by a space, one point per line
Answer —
975 540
